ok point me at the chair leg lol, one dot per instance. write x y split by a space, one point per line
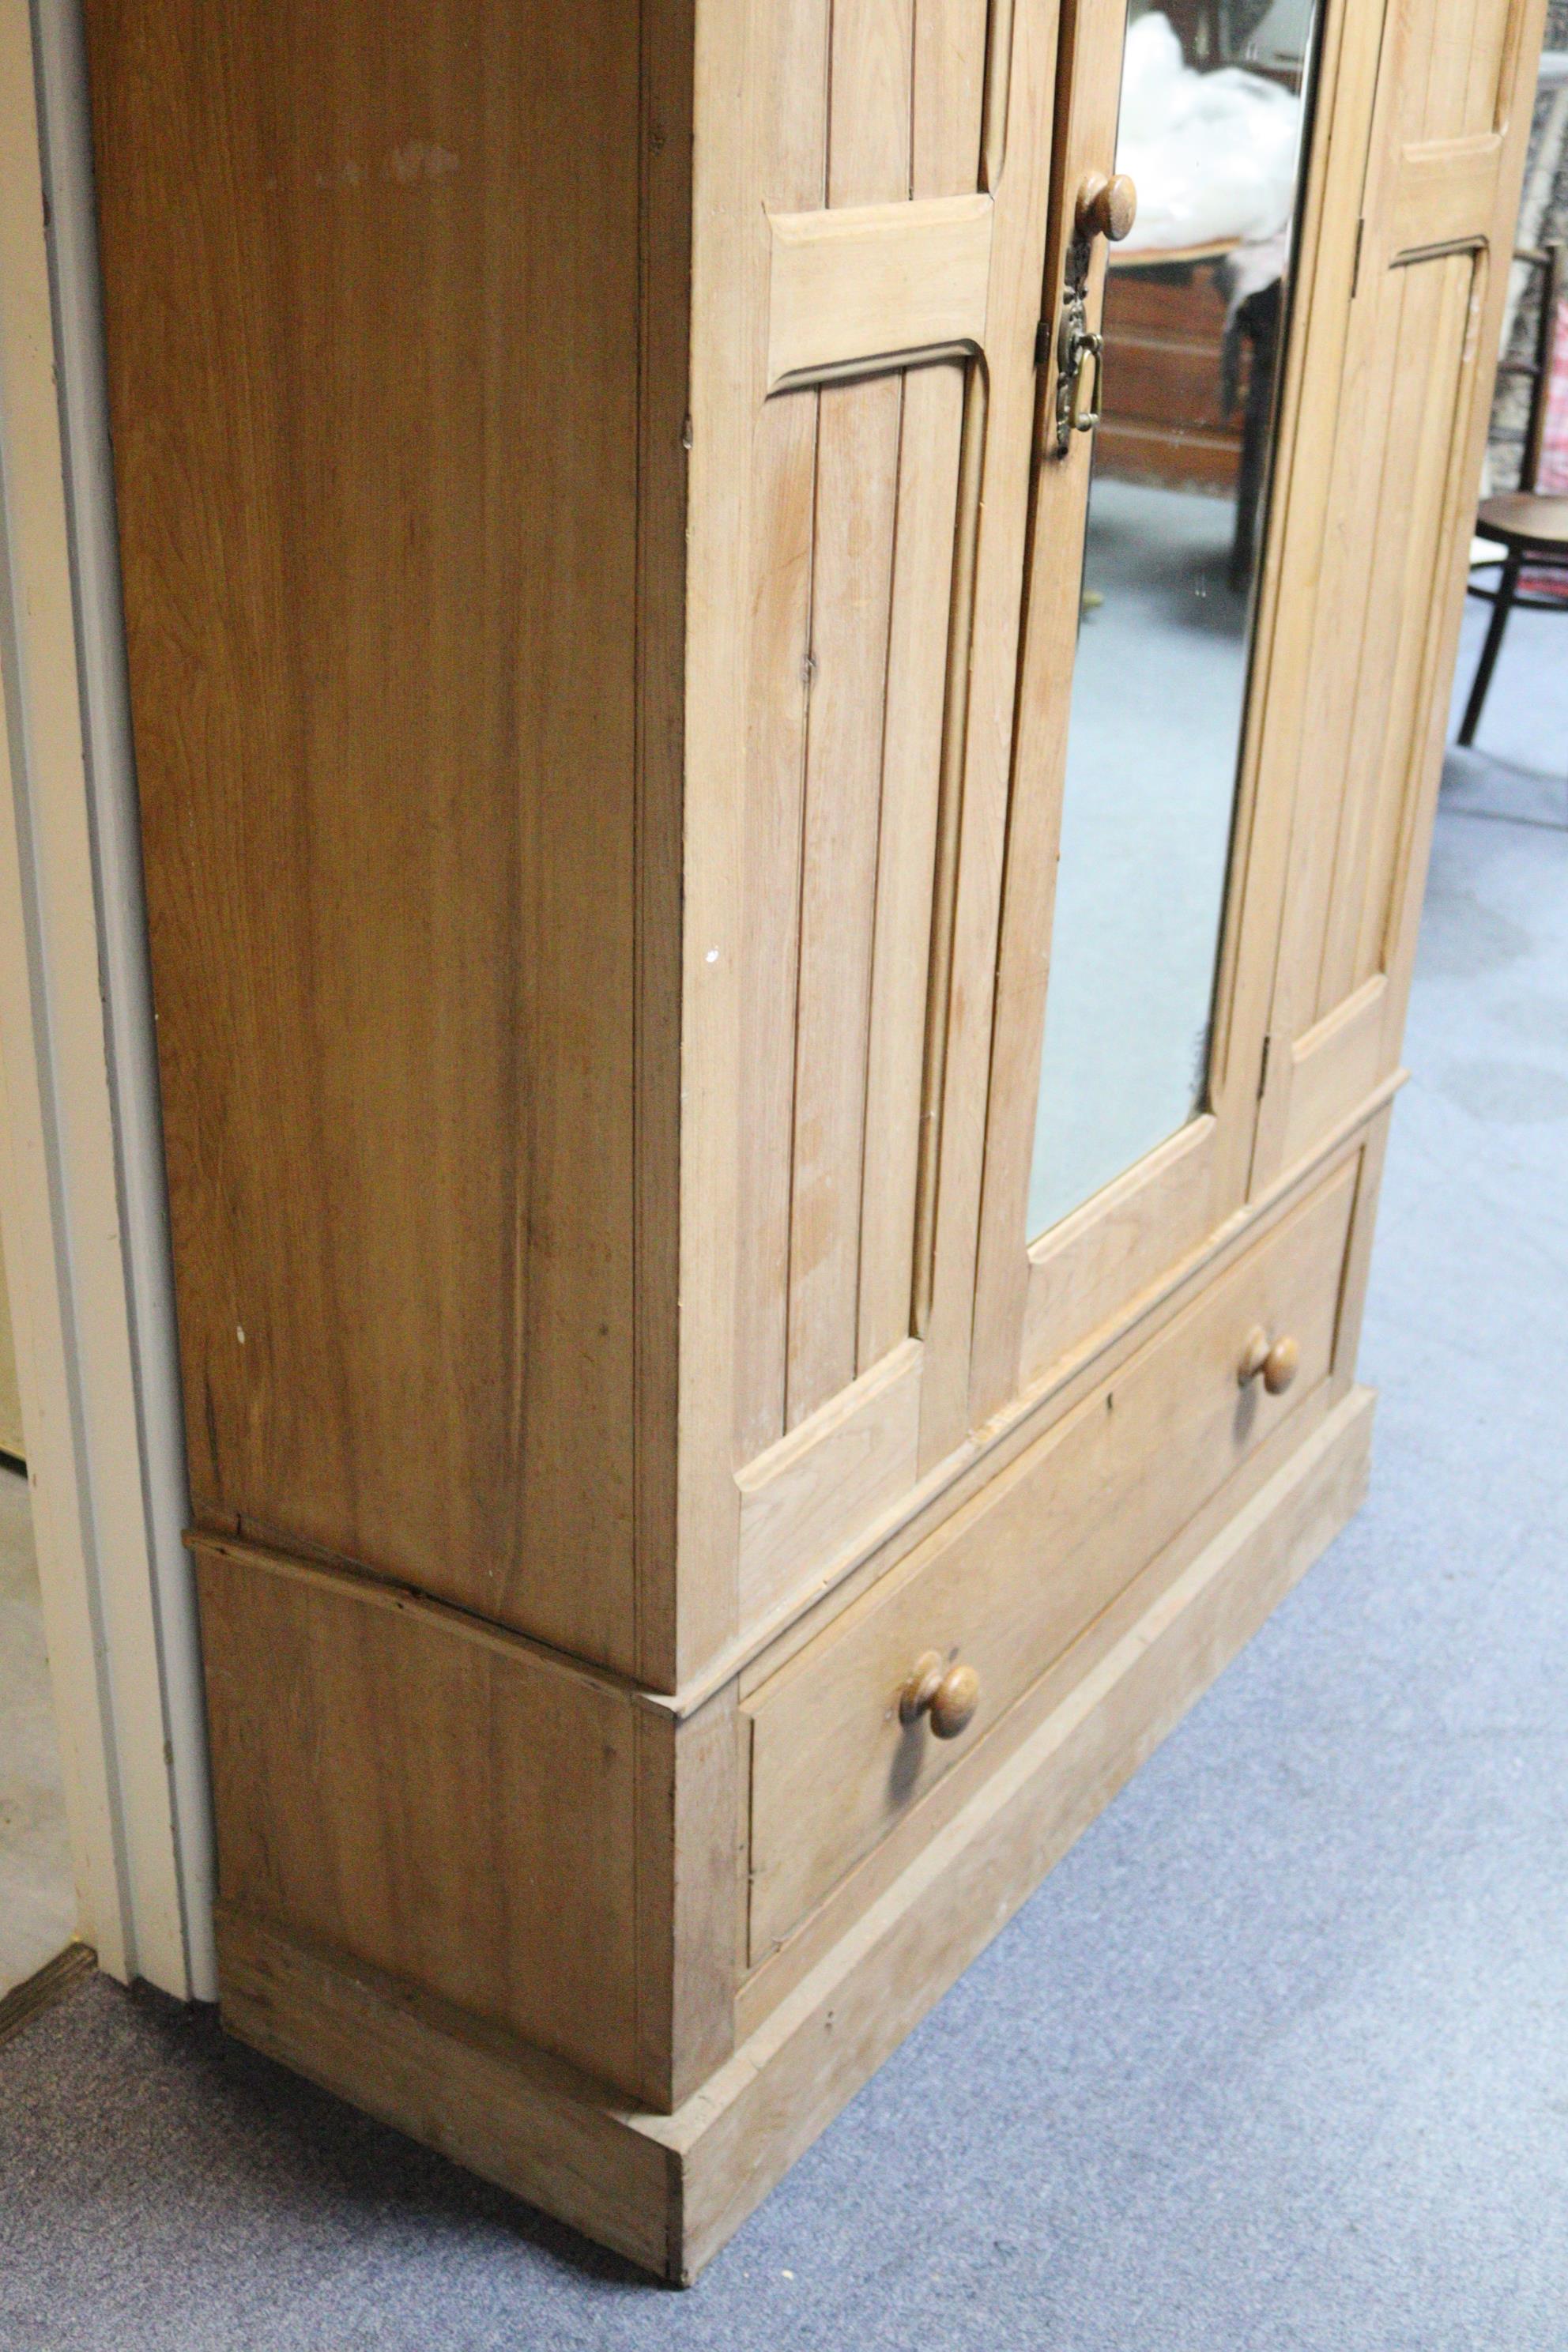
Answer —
1502 605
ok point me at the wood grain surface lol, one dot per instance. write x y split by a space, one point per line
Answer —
385 363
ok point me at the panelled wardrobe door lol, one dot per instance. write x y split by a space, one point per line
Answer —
1141 902
860 443
1401 376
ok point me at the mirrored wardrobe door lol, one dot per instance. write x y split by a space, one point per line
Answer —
1125 1061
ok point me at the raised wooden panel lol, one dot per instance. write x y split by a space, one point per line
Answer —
386 363
1379 531
830 1478
1374 615
851 606
482 1873
409 1788
1455 67
856 288
1444 192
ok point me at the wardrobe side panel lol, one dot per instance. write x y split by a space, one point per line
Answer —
374 290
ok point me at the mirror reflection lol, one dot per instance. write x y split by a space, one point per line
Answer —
1211 131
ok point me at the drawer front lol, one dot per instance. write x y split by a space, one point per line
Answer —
1019 1573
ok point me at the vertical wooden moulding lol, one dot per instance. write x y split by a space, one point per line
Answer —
860 435
1365 886
790 165
1329 268
689 1890
664 342
919 685
720 1306
938 1005
926 669
857 491
1390 925
999 441
1330 167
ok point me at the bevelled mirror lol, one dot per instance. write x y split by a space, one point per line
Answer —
1212 132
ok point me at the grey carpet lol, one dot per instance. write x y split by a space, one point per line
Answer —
1277 2057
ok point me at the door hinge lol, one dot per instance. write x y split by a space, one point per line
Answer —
1355 265
1263 1068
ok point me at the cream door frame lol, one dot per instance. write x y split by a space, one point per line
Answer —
81 1186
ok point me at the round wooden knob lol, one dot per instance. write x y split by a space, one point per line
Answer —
1279 1361
1107 206
948 1695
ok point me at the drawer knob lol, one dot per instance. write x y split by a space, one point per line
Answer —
948 1695
1279 1361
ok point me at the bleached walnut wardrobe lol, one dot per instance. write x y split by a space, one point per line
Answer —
778 991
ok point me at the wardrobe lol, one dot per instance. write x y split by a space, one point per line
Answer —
777 1004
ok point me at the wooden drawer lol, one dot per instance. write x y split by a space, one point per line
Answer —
1018 1574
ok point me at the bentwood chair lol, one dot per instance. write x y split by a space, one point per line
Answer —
1530 525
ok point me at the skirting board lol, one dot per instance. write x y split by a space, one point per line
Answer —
668 2191
41 1990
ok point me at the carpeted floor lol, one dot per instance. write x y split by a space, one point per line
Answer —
1277 2057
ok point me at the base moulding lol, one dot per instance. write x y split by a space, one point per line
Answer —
668 2191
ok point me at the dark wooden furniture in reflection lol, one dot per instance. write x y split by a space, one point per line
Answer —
1162 419
1180 408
